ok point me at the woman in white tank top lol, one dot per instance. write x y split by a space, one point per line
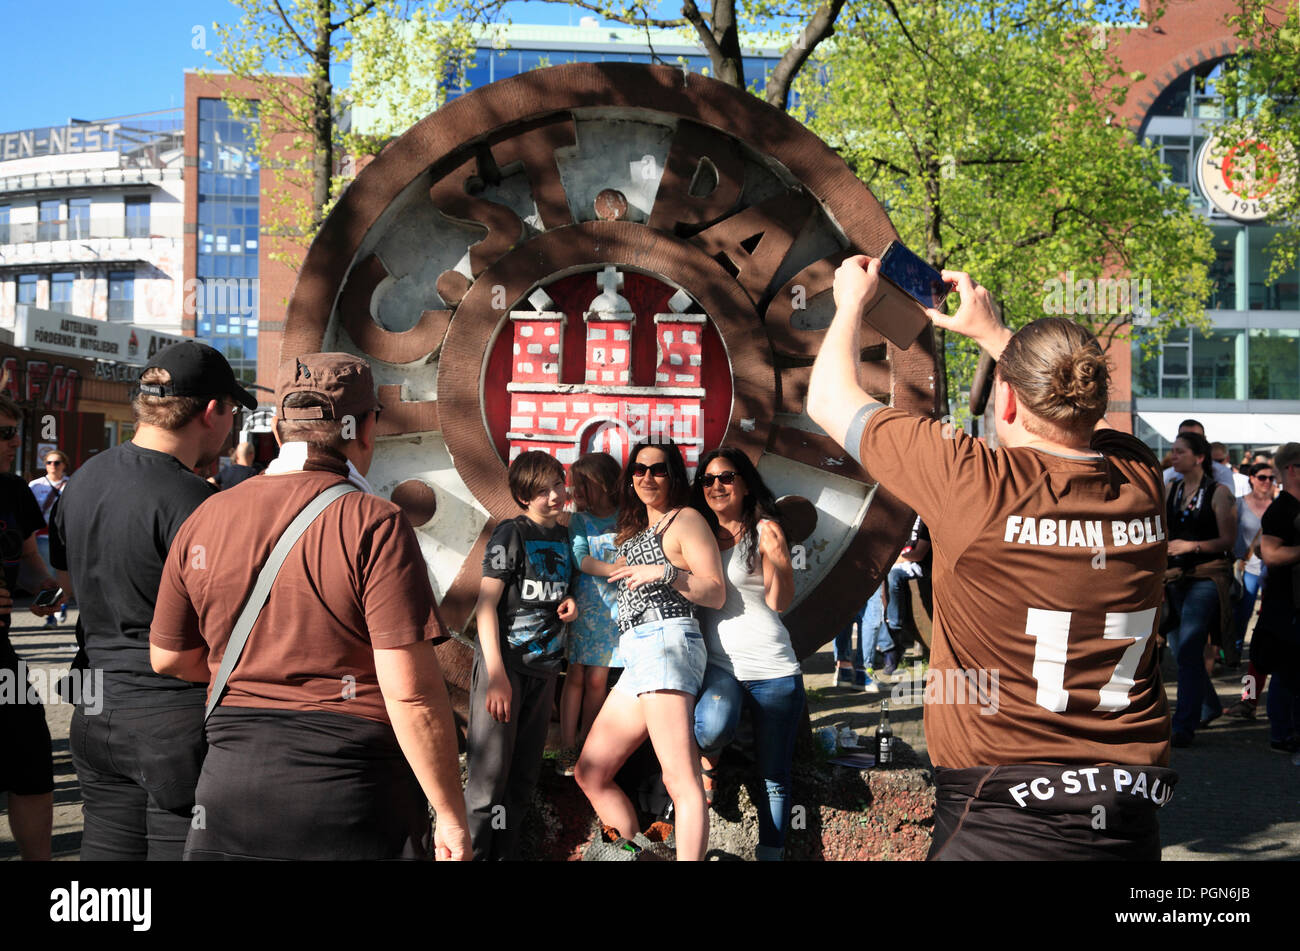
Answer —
751 662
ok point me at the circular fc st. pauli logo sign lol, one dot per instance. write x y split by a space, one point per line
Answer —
1244 176
584 257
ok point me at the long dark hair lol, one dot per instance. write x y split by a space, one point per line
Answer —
1200 446
759 503
632 517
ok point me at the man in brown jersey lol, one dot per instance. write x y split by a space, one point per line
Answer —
1045 715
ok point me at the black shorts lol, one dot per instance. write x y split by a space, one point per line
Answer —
1030 812
284 785
26 761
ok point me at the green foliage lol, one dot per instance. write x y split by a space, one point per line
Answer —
1262 90
987 132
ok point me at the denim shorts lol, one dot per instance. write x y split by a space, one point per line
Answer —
667 654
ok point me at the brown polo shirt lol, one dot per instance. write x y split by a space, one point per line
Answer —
355 582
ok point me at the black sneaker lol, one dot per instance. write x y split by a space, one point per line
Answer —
1290 745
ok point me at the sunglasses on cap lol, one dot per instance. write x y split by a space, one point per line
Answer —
8 432
659 470
726 478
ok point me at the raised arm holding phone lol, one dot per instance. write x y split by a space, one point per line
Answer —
1048 559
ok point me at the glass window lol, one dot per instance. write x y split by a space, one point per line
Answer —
61 291
4 224
1223 269
1275 364
137 217
1146 371
121 295
27 288
1282 294
49 220
1174 362
78 217
1215 364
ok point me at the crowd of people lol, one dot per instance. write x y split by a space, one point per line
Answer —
271 688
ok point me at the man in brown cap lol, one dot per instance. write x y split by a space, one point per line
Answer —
333 731
138 755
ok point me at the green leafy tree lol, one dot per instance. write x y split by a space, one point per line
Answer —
988 132
1261 89
796 27
291 51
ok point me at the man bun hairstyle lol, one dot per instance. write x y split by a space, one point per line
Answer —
1059 374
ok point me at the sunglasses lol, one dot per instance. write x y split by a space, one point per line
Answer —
1264 478
54 462
659 470
726 478
8 432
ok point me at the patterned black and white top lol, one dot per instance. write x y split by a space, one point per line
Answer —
657 600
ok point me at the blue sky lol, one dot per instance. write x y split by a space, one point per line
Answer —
90 59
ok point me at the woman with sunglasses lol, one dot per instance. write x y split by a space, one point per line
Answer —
751 661
668 564
47 490
1250 510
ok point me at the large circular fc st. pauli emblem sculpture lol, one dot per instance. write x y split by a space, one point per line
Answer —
588 256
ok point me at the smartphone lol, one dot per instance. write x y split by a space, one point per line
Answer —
909 273
47 598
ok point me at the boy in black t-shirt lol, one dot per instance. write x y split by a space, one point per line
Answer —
523 603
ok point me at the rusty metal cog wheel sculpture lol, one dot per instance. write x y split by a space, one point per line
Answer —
576 255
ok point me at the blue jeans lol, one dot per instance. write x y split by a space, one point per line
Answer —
899 589
873 634
1196 603
1241 613
775 707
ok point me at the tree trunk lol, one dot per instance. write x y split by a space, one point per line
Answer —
322 115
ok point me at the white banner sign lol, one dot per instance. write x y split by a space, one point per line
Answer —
88 339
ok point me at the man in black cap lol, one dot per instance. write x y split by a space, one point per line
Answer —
138 759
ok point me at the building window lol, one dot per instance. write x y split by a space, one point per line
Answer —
227 235
61 291
137 217
78 217
1267 294
1275 364
1223 269
4 224
121 295
27 289
49 226
1219 364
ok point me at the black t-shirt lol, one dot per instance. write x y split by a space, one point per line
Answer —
117 520
921 534
1277 606
20 517
234 474
536 565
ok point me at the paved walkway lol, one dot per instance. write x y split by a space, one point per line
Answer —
1236 799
